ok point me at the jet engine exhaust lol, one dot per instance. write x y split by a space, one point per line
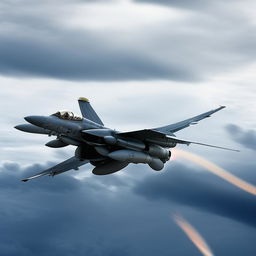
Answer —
194 236
218 171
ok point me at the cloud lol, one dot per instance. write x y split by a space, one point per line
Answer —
186 4
64 216
103 216
51 216
38 42
201 190
247 138
89 60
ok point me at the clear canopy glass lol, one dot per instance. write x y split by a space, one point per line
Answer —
67 115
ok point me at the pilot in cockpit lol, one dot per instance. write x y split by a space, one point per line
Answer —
67 115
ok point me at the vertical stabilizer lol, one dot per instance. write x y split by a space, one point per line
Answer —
87 110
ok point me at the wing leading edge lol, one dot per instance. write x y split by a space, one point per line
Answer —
169 129
69 164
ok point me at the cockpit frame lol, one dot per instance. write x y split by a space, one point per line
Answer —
67 115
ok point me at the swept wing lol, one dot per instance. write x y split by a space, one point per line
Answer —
69 164
164 135
171 128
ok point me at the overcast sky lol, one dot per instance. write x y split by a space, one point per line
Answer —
142 64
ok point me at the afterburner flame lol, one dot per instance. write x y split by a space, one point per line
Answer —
194 236
218 171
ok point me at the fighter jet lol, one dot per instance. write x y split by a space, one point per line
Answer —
106 149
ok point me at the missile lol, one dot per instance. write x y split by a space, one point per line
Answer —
136 157
137 145
69 141
56 144
156 164
109 167
130 155
102 150
152 150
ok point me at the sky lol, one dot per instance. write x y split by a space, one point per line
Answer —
142 64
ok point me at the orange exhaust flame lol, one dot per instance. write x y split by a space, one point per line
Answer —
194 236
218 171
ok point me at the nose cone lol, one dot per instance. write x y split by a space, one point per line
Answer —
22 127
40 121
19 127
31 128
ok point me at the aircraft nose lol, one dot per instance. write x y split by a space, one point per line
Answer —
36 120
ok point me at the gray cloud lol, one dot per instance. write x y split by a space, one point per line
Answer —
64 216
186 4
34 43
103 216
200 190
90 60
247 138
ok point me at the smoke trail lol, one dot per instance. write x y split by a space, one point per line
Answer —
194 236
218 171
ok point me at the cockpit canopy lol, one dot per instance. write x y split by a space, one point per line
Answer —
67 115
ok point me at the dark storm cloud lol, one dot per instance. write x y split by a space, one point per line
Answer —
200 190
51 218
34 43
66 216
247 138
89 59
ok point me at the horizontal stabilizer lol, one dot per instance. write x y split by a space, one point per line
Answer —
87 111
69 164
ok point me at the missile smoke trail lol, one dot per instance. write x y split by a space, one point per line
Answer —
194 236
218 171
